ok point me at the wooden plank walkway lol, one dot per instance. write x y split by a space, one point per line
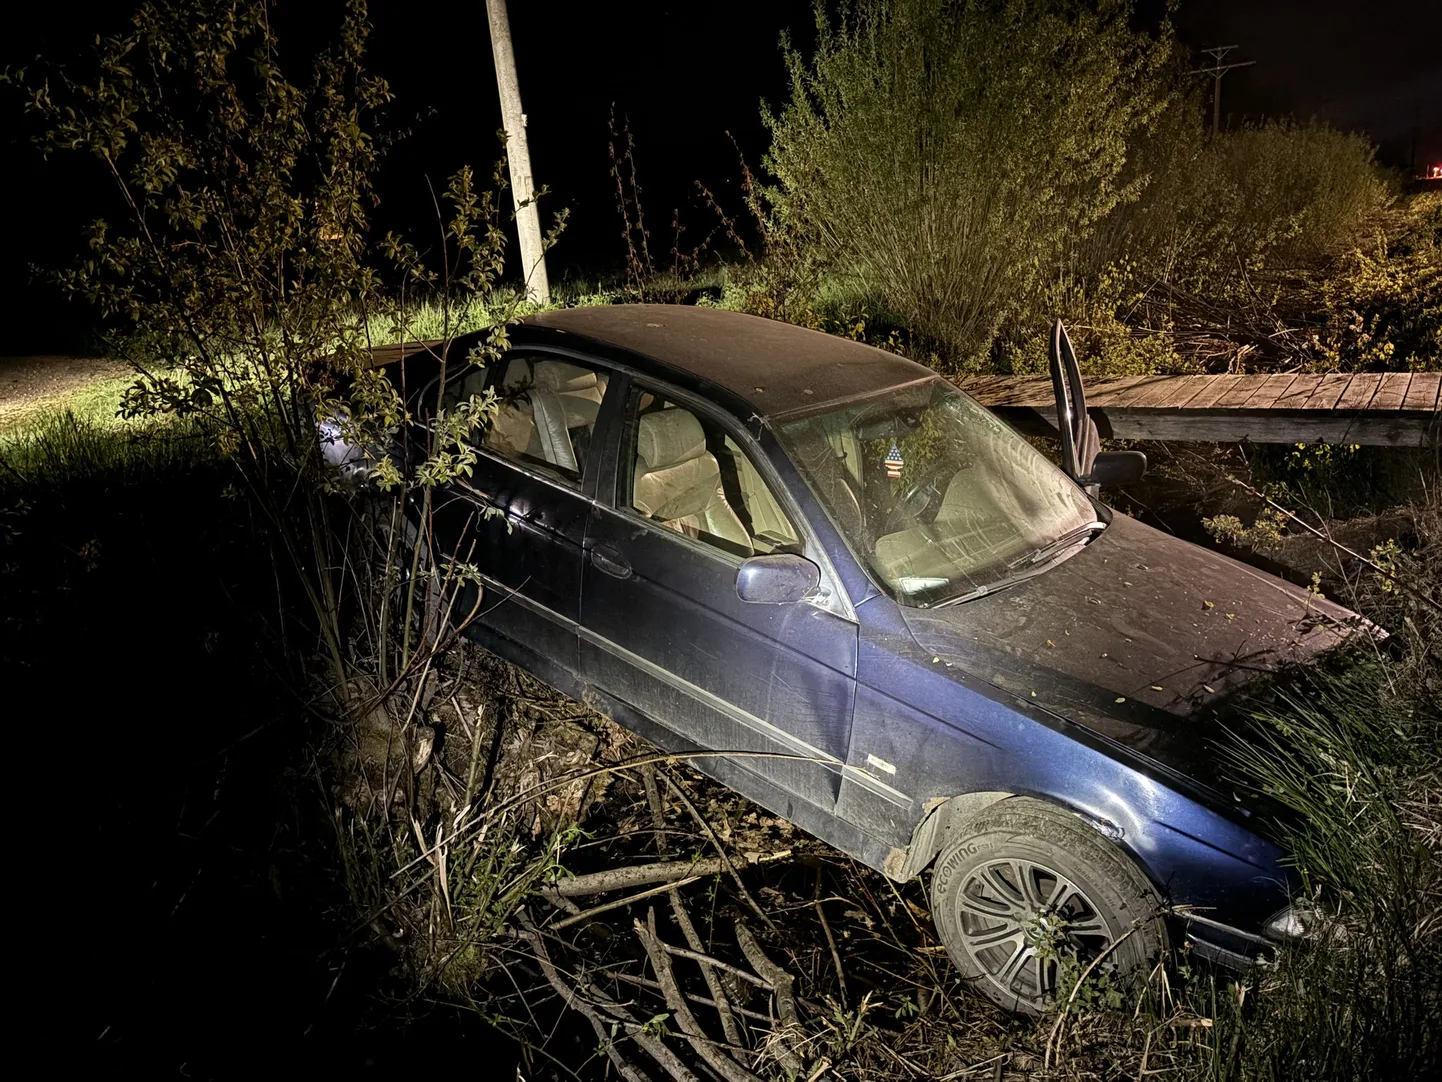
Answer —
1394 409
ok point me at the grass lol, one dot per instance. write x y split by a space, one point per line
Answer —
97 402
61 448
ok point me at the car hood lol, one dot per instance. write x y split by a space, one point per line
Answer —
1139 637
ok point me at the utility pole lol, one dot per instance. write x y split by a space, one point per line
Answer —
518 155
1216 71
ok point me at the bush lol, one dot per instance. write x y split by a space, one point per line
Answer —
938 156
1384 306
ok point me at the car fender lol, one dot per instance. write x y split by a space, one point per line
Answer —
946 819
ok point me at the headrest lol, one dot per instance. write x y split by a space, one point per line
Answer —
669 436
560 376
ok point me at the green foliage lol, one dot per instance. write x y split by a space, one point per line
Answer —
1352 751
967 172
242 273
939 156
1249 247
1276 194
1383 305
240 261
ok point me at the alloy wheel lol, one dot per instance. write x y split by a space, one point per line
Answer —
1019 917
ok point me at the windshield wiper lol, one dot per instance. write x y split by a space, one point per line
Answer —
1027 566
1052 549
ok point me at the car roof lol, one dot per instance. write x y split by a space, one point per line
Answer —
771 368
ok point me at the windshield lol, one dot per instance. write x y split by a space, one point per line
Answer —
934 493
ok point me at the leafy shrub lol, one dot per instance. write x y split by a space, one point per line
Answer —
1384 306
938 156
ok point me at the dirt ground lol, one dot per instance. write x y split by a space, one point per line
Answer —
25 380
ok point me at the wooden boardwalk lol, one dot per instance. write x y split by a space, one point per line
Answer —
1396 409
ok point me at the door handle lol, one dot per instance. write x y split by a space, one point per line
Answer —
611 562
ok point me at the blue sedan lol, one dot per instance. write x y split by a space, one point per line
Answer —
856 597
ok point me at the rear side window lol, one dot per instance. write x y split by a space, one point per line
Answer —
686 474
547 414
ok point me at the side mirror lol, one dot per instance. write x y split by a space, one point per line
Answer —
777 579
1112 468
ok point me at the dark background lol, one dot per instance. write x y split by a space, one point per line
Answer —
683 76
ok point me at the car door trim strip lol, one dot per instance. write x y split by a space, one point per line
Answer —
745 718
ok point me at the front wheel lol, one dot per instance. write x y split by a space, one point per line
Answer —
1029 889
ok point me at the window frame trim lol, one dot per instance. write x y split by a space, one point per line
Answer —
834 598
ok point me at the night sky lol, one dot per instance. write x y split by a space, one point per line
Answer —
683 75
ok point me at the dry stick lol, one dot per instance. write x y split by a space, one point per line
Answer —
830 939
781 989
636 875
683 918
708 960
722 1063
642 982
571 998
715 841
619 902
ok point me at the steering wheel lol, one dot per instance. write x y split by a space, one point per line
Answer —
920 500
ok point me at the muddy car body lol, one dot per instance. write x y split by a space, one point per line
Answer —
671 517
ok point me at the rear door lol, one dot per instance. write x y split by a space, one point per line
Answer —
662 627
521 517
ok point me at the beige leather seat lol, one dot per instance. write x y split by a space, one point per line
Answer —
559 398
976 520
678 482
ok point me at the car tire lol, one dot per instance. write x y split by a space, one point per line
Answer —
1028 884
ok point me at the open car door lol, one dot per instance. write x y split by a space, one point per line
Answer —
1081 453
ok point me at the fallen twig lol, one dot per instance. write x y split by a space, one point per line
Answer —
718 1059
707 960
721 1000
1400 583
662 871
619 902
720 850
830 939
642 982
572 999
781 984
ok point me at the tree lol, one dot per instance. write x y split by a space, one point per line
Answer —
247 287
939 152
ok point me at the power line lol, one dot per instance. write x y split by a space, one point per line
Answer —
1216 71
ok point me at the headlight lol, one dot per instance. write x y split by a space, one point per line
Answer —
351 461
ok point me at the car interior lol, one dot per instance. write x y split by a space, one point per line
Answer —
547 414
688 475
691 477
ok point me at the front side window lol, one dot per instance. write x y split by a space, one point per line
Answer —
546 414
934 493
686 474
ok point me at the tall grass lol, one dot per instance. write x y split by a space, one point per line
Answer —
65 448
1353 752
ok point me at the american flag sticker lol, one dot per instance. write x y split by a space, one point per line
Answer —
894 461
